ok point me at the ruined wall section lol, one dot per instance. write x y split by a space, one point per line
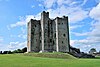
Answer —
29 37
50 36
35 35
63 34
53 34
46 27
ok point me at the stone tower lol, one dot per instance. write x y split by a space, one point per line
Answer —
48 35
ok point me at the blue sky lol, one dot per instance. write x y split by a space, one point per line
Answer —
84 21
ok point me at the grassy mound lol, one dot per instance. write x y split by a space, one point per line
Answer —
51 55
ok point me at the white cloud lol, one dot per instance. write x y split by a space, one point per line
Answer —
72 27
16 45
93 37
74 13
68 2
72 42
81 34
59 2
23 21
78 15
20 23
85 44
95 12
13 45
49 3
95 34
3 47
73 3
24 36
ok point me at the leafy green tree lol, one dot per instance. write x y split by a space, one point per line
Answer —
92 50
9 52
20 50
17 51
24 49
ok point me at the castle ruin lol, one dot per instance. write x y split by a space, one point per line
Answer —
48 35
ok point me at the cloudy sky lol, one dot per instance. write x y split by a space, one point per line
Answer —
84 21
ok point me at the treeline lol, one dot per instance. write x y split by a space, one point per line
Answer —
23 50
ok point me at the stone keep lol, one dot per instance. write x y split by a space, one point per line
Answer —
48 35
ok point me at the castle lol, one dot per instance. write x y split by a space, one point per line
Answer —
48 35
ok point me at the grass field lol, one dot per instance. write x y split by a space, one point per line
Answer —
19 60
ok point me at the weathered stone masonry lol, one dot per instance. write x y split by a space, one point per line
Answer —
48 34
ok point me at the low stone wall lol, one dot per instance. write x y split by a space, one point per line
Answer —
76 52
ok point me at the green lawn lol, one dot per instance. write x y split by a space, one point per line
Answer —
19 60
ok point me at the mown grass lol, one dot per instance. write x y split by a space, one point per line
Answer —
19 60
51 55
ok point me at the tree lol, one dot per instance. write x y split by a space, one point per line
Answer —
0 52
92 50
24 49
20 50
17 51
5 52
9 52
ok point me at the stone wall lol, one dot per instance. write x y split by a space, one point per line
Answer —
63 34
48 34
34 35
